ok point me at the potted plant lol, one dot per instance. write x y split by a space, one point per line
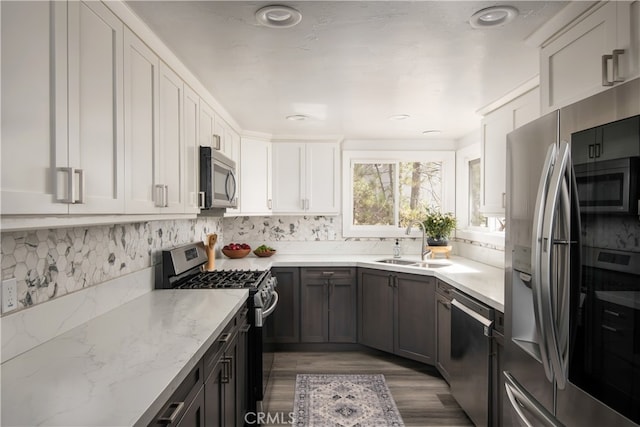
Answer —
438 227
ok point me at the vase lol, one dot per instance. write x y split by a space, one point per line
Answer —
437 241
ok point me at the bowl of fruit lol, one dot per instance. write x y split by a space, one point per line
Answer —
264 251
236 250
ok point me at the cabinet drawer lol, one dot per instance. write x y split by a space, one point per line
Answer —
217 348
444 289
342 273
499 323
181 399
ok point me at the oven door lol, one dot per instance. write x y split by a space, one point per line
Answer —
262 355
608 186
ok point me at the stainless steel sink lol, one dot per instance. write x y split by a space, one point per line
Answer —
409 263
427 264
396 261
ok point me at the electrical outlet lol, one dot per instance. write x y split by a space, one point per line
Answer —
9 295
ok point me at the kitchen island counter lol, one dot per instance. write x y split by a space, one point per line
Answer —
119 368
481 281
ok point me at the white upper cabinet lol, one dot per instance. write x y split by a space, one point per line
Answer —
595 52
191 150
141 73
207 125
96 122
169 182
62 109
306 177
495 127
34 96
255 177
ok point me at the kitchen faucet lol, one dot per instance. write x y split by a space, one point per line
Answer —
424 232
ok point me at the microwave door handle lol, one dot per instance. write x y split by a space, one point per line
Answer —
536 255
552 206
234 188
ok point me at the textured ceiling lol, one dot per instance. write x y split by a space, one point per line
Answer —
350 65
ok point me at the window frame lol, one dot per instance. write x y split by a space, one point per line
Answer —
349 157
466 231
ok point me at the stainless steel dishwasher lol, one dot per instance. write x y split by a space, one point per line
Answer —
471 330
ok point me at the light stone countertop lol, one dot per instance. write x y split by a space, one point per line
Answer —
481 281
119 368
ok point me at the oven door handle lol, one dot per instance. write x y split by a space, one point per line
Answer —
270 310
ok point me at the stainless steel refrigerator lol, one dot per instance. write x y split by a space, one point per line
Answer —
572 298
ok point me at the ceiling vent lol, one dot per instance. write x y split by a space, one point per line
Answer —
277 16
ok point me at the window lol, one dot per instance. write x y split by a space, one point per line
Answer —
476 219
384 194
472 225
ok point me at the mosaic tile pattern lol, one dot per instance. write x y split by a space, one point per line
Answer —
283 228
50 263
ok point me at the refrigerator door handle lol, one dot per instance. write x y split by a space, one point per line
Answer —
520 399
556 204
536 256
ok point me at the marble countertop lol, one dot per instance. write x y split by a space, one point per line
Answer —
119 368
481 281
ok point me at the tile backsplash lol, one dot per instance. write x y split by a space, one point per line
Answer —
49 263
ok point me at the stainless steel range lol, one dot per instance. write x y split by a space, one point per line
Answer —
182 268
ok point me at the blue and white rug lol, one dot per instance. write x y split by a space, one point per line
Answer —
344 401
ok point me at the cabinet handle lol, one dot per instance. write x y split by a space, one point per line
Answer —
80 173
328 273
504 200
244 329
159 195
597 151
269 204
229 364
616 69
201 199
224 337
612 313
225 371
70 187
166 196
591 151
605 71
177 408
609 328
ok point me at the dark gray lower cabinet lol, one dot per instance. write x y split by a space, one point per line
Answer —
443 328
283 326
185 407
328 305
396 313
215 391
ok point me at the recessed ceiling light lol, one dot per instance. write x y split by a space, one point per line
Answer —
494 16
431 131
399 117
277 16
297 117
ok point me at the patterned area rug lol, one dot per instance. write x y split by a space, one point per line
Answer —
344 401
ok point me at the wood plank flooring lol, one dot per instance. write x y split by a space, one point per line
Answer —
420 393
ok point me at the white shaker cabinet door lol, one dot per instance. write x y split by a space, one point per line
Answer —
207 124
141 124
288 177
34 139
170 185
255 177
572 63
323 173
191 152
96 125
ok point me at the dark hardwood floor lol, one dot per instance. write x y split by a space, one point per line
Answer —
420 393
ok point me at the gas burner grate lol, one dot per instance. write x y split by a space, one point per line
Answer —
223 279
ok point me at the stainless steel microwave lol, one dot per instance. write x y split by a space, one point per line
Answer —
218 183
608 186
